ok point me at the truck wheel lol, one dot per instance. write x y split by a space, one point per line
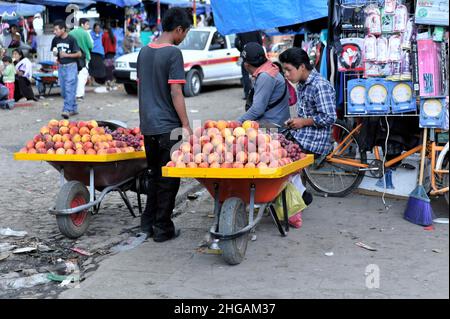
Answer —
233 218
193 83
71 195
130 88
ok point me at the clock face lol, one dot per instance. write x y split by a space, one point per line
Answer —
358 95
402 93
432 107
378 94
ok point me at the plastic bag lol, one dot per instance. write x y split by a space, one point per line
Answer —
294 200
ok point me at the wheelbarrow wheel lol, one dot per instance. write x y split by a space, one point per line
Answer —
233 218
71 195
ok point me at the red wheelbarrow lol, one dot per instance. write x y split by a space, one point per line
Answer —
234 189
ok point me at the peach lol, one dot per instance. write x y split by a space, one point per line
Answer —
207 148
252 148
176 155
101 130
53 123
72 124
228 157
194 140
86 138
221 148
200 157
180 165
54 130
221 125
263 139
68 145
41 150
226 132
70 152
76 138
199 131
213 157
64 130
44 130
63 123
265 157
87 146
226 165
95 138
39 145
250 165
196 149
191 165
51 151
37 138
94 131
238 165
108 137
170 164
84 130
252 134
217 140
210 124
49 145
214 165
274 164
275 144
78 146
91 124
74 130
249 124
185 147
211 132
47 138
30 144
60 151
230 140
233 124
241 157
81 124
203 165
57 138
23 150
90 152
32 151
186 158
79 151
253 158
239 131
204 140
58 145
111 150
261 165
102 151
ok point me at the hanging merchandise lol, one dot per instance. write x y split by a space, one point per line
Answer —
402 97
396 71
372 69
382 50
406 40
387 23
389 6
370 48
429 73
406 74
400 18
438 34
351 57
356 96
395 48
377 96
432 12
373 20
432 112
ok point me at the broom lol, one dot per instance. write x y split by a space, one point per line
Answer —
418 210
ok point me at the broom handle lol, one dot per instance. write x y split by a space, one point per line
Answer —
422 160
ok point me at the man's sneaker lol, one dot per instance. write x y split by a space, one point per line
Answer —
80 99
73 113
65 115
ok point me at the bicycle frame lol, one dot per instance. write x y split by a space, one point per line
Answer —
346 142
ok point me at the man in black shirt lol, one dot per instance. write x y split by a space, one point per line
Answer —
66 49
160 72
241 40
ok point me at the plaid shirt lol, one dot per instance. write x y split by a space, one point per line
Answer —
316 100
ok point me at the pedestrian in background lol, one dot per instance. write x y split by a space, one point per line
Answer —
9 75
24 71
85 44
109 42
96 65
66 49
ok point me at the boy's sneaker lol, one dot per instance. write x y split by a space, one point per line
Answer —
65 115
73 113
80 99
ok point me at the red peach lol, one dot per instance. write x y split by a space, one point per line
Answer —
23 150
53 123
203 165
176 155
226 165
261 165
44 130
241 157
79 151
90 152
170 164
70 152
32 151
185 147
250 165
57 138
221 125
37 138
63 123
51 151
81 124
68 145
30 144
74 130
238 165
191 165
58 145
64 130
207 148
210 124
214 165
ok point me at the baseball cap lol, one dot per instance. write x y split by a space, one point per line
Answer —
254 54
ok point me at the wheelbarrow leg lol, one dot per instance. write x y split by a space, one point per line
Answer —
215 228
138 193
285 211
273 213
127 202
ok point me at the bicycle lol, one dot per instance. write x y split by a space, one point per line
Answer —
341 171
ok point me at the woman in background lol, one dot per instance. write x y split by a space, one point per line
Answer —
96 65
24 72
109 42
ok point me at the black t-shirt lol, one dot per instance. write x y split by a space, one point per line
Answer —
158 66
68 45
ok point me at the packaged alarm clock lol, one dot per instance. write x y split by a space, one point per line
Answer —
377 96
402 97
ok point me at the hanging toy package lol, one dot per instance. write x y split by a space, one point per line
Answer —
387 23
382 50
389 6
400 18
370 48
407 36
406 74
372 70
395 48
396 71
373 20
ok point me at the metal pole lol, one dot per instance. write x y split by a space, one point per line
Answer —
158 10
194 13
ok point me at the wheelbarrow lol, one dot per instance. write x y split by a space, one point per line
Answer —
234 189
87 179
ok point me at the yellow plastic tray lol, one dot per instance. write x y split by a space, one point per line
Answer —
79 158
238 173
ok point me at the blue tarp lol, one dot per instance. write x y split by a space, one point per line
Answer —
80 3
234 16
122 3
20 9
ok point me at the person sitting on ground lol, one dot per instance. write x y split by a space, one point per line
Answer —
268 99
24 71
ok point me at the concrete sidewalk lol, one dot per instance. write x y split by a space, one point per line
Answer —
291 267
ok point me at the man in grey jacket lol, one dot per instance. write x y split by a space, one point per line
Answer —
269 99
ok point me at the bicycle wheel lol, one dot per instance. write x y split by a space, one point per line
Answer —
442 164
333 179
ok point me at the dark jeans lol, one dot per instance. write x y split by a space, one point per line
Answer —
246 80
162 192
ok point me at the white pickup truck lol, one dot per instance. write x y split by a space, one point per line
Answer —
208 57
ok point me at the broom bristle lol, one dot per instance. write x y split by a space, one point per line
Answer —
418 210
